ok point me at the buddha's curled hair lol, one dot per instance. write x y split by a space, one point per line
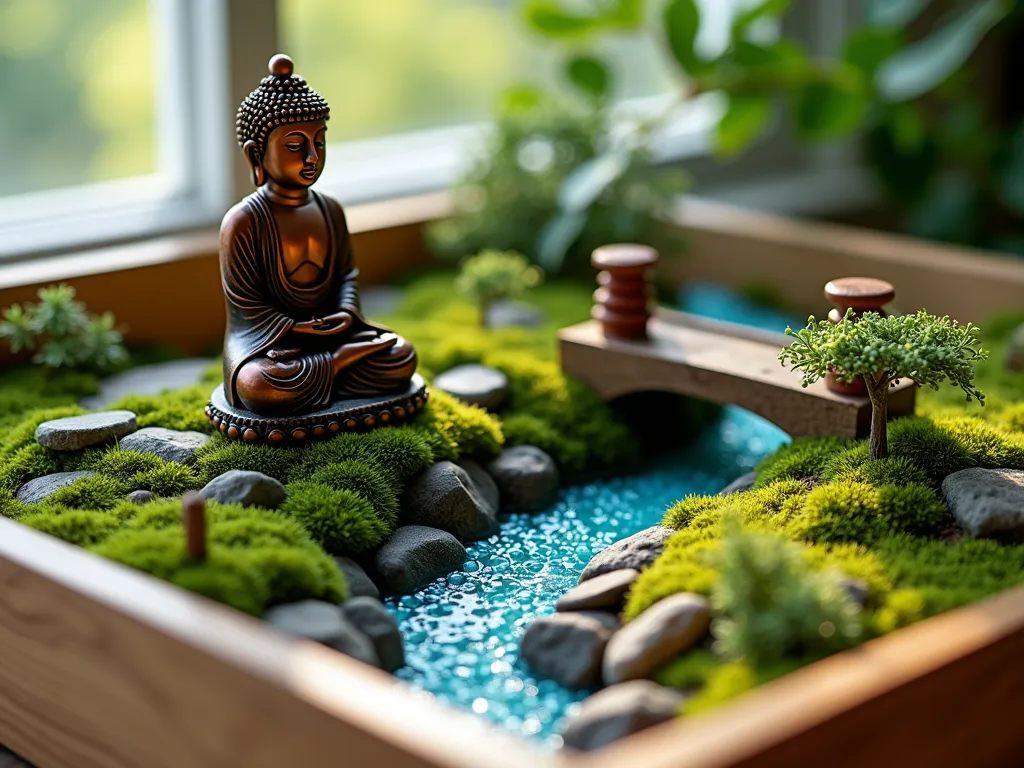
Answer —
281 97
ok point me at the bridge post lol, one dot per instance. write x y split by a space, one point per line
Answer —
622 303
861 294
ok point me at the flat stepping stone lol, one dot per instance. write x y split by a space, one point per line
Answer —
475 384
527 478
168 444
416 555
637 552
75 433
568 647
604 592
620 711
324 623
370 617
448 497
743 483
988 503
359 584
140 497
508 313
36 490
655 637
250 489
149 380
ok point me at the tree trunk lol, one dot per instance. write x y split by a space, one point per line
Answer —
879 440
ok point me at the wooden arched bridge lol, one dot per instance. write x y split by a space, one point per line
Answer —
625 351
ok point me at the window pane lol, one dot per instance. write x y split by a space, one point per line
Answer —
400 65
77 92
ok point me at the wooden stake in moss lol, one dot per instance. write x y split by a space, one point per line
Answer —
194 520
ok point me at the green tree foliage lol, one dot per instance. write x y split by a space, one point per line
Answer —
494 275
62 333
882 350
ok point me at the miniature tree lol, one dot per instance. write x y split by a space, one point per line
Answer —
493 275
922 347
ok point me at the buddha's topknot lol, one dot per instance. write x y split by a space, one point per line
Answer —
281 97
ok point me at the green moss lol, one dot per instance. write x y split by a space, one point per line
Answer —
526 429
987 444
221 455
691 670
802 459
299 573
765 502
118 462
399 452
724 683
96 492
26 464
853 465
23 434
168 479
80 527
180 409
926 445
366 480
10 507
342 522
454 429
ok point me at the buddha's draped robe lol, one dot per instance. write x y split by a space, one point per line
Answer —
268 368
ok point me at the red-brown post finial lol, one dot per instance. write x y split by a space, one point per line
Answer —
622 303
861 294
194 519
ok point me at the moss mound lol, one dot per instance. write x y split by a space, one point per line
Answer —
342 522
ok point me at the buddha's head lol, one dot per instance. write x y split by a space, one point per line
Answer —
282 127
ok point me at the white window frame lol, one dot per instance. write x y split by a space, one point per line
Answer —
209 55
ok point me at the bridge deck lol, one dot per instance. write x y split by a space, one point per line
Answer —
720 362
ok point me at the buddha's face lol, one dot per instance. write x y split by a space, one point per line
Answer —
294 155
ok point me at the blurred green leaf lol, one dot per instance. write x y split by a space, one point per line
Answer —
519 99
905 175
908 128
867 48
589 179
829 109
589 74
552 20
922 66
557 236
1011 175
746 18
682 21
745 119
625 14
762 67
950 210
894 13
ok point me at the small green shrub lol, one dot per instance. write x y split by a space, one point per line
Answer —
80 527
492 275
342 522
802 459
221 455
769 603
365 479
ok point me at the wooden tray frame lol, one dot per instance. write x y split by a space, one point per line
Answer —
105 667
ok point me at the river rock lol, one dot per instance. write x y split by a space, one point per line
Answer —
988 503
857 590
323 623
415 555
605 592
370 617
140 497
655 637
77 432
1015 351
619 711
527 478
40 488
148 380
509 313
475 384
637 552
744 483
446 496
359 584
168 444
250 489
485 485
568 647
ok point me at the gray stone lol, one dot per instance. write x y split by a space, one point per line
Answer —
250 489
485 485
370 617
744 483
605 592
36 490
149 380
415 555
475 384
856 590
637 552
655 637
168 444
375 300
988 503
77 432
140 497
1015 350
508 313
619 711
527 478
359 584
445 496
323 623
568 647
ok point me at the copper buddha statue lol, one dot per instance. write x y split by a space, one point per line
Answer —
296 340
